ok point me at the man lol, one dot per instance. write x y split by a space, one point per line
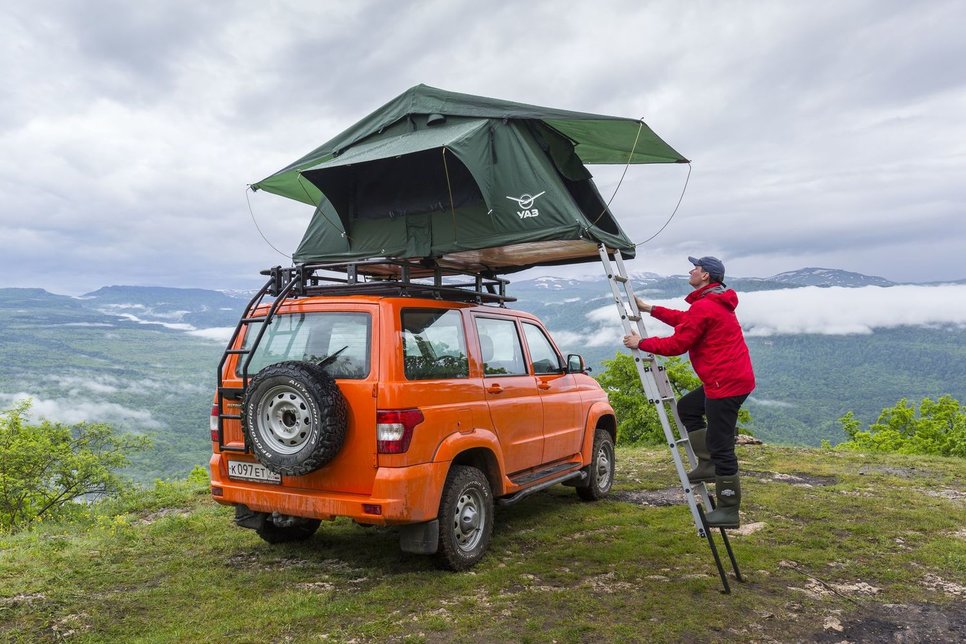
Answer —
710 332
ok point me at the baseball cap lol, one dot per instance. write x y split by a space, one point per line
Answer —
711 265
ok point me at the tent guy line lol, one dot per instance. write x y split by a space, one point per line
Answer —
258 228
673 212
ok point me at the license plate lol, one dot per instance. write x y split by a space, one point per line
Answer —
252 472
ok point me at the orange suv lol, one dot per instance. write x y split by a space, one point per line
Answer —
394 402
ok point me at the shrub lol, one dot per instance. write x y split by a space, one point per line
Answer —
48 470
938 427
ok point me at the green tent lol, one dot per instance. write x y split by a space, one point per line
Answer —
474 183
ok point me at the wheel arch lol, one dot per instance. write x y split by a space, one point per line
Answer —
608 422
483 459
480 449
599 416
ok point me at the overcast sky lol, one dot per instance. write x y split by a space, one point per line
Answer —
822 133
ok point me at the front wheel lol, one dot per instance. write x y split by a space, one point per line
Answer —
600 472
465 518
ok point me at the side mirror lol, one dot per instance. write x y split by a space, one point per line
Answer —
575 364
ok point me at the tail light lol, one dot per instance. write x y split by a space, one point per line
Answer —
394 429
213 422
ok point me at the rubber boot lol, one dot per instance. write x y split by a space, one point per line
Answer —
704 471
728 495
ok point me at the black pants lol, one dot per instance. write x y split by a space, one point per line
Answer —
722 422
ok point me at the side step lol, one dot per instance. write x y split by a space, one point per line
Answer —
522 494
529 477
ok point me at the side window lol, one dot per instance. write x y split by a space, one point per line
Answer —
544 358
500 347
434 344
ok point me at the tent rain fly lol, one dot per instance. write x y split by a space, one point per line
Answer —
469 182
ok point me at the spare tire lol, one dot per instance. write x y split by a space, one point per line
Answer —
295 417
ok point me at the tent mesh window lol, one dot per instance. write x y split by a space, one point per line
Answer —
421 183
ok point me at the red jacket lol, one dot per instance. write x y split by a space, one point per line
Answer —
710 332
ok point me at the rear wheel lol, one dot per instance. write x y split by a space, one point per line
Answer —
302 530
465 518
600 472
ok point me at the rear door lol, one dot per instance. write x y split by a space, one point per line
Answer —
511 393
343 333
563 426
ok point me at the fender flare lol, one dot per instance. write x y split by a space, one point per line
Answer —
597 411
458 443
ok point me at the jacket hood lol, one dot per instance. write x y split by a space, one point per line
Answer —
716 293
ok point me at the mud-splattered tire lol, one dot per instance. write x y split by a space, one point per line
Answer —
288 534
465 518
294 417
600 472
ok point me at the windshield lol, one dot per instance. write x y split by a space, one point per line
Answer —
338 341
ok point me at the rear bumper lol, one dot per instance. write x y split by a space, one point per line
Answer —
401 494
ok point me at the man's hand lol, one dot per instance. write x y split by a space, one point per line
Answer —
631 341
643 306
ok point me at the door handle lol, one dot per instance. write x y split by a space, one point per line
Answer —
494 389
543 385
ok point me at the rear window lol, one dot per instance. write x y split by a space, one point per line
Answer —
341 341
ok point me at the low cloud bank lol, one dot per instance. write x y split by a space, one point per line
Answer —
174 326
823 311
845 311
167 319
764 402
81 384
72 410
221 334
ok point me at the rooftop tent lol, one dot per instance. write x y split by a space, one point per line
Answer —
472 182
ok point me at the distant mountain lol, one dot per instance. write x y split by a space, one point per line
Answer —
555 290
174 307
32 307
828 277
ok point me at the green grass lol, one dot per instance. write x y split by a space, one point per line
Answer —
171 566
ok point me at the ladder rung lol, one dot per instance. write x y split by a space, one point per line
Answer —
260 318
230 416
634 318
620 278
238 351
681 441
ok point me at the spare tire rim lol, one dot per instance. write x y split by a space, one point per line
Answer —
283 419
469 519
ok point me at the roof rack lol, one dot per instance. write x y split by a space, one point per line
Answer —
388 276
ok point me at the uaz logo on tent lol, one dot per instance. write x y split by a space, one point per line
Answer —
526 204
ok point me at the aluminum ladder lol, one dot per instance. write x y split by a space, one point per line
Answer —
660 393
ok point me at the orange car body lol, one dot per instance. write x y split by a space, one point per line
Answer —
519 429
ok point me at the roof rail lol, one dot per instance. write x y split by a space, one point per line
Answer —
388 276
